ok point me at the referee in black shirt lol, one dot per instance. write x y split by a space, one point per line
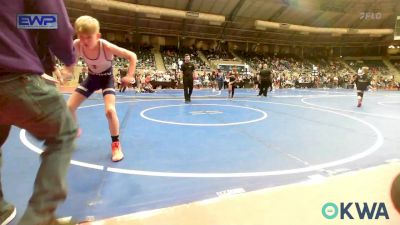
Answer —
187 69
265 80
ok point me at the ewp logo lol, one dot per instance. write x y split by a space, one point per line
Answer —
37 21
364 211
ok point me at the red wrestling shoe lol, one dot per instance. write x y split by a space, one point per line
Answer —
116 151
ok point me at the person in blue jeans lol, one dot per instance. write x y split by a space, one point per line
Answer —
28 102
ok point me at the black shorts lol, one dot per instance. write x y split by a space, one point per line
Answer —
362 85
266 82
94 82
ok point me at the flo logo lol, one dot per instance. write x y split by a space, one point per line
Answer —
355 210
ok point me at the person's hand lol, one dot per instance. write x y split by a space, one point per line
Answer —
67 72
128 80
61 81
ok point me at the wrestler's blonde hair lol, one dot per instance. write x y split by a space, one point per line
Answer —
365 69
87 25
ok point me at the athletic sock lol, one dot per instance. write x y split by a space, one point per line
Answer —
115 138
